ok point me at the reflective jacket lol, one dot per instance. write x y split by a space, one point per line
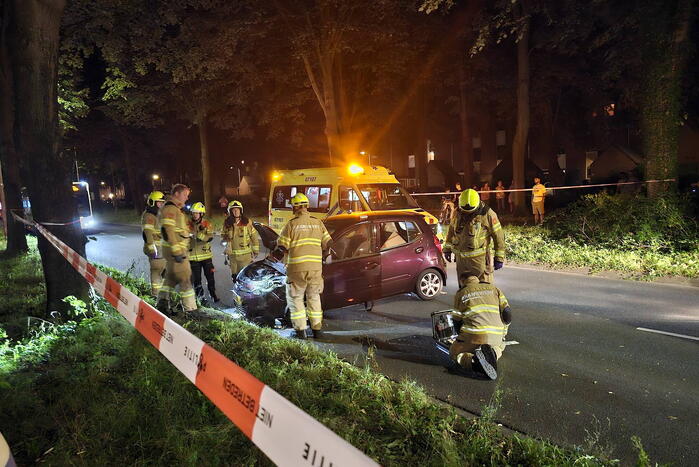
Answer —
304 237
174 228
200 241
152 240
470 234
241 238
478 305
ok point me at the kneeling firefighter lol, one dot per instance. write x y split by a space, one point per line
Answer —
240 238
152 240
470 233
200 254
303 240
175 233
482 316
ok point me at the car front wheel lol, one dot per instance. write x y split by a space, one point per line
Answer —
429 284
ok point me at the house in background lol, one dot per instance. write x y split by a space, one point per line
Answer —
611 162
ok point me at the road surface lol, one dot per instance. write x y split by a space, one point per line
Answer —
582 373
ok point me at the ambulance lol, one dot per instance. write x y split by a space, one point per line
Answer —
341 190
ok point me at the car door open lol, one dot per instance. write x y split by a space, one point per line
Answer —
353 272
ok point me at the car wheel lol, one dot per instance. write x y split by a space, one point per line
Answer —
429 284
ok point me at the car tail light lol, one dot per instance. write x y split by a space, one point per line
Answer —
437 243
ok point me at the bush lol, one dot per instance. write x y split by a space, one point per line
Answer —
665 224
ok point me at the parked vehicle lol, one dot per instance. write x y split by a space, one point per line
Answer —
373 255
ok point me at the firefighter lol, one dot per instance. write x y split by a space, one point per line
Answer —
152 243
469 236
483 315
239 238
200 254
303 241
175 231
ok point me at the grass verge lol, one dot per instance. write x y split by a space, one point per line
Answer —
92 391
536 245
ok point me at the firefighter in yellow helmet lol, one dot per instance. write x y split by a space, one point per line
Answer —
175 231
303 240
474 227
482 315
200 254
152 241
240 238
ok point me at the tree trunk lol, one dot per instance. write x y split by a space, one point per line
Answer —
9 163
131 174
205 164
661 105
466 136
489 151
519 145
333 126
34 33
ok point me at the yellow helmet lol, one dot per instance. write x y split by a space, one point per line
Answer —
235 204
154 197
299 199
469 200
199 207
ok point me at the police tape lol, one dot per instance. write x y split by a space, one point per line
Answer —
553 188
282 431
6 459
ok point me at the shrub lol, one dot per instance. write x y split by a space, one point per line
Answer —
664 224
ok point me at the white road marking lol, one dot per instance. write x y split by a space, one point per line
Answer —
669 333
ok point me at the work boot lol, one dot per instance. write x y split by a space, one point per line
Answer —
163 306
485 362
215 298
318 334
300 334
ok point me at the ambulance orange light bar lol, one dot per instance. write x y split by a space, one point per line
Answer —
276 176
355 169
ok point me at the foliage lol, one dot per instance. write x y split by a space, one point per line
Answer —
535 245
665 224
22 289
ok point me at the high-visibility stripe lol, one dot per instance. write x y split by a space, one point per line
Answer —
313 242
167 221
503 301
500 253
242 252
472 253
474 310
188 293
484 330
305 259
148 227
297 315
497 227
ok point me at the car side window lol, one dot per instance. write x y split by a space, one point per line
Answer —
354 243
397 233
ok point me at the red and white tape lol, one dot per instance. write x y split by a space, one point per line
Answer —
571 187
284 432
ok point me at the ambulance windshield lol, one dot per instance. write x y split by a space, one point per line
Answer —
387 196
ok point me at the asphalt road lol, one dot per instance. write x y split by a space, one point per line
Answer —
582 373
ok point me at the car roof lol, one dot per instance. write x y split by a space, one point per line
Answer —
374 215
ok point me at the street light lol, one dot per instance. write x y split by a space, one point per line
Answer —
156 176
364 153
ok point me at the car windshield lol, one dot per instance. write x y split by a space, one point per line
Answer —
387 196
332 226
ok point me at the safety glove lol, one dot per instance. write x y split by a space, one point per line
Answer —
448 256
498 264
